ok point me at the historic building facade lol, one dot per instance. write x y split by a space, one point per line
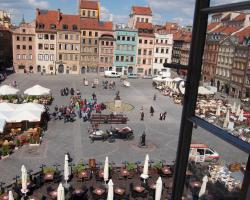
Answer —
125 49
5 47
163 47
24 48
68 45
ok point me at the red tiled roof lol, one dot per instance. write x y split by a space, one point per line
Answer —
226 30
85 4
244 33
139 10
212 26
226 18
69 20
94 24
240 17
144 25
47 17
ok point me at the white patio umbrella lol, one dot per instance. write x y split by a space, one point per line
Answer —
24 179
241 116
37 90
226 121
158 189
203 186
144 175
218 111
234 108
110 190
238 111
66 169
106 169
60 192
8 90
11 197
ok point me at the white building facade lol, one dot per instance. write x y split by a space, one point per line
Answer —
162 52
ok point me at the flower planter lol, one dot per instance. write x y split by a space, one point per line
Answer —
5 157
34 145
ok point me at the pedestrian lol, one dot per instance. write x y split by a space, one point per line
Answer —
164 115
152 111
154 97
142 116
161 116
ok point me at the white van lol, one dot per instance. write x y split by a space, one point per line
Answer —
203 153
111 74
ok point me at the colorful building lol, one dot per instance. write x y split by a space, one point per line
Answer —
24 48
125 49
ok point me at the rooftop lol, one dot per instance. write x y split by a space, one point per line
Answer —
144 25
85 4
139 10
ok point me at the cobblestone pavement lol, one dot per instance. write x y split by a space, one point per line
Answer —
73 137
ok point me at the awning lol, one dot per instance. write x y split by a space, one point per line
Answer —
37 90
8 90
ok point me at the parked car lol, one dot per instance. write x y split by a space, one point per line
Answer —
131 75
111 74
147 77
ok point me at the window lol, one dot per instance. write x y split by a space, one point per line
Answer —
93 13
18 46
95 50
60 56
46 36
77 37
89 41
145 52
161 60
30 39
30 57
96 34
140 41
84 33
24 47
131 59
18 56
24 38
150 52
40 57
83 41
46 57
118 38
74 27
30 47
111 43
133 38
66 37
123 38
150 41
122 58
88 13
83 13
40 46
95 42
146 20
117 58
40 26
90 33
46 46
149 61
52 26
128 38
145 41
52 47
162 50
17 38
65 27
139 51
144 61
157 50
156 60
138 61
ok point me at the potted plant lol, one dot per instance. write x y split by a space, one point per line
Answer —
78 168
5 150
158 166
131 166
18 143
49 173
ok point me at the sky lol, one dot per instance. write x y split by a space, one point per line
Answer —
180 11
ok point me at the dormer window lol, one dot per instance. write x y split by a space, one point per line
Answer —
41 26
53 26
74 27
65 27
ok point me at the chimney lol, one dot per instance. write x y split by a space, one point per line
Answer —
59 15
37 12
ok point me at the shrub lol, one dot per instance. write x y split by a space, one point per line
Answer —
131 166
78 168
5 150
47 170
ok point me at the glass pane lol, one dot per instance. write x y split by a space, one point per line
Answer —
211 164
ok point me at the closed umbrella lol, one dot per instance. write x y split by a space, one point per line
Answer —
110 190
218 111
203 186
106 169
144 175
11 197
60 192
226 121
241 116
234 108
158 189
238 111
66 169
24 179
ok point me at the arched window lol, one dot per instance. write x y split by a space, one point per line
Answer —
74 27
53 26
